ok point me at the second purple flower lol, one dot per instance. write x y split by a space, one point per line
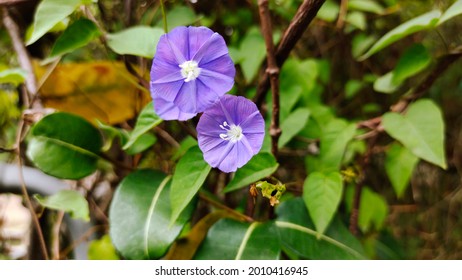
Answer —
230 133
191 71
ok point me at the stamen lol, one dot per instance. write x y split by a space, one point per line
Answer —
233 132
189 70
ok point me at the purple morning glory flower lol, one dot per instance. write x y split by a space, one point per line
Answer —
190 71
230 133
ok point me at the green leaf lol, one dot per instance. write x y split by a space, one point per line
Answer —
335 137
454 10
147 119
373 209
77 35
190 173
65 146
421 130
69 201
298 237
260 166
298 78
329 11
139 216
415 59
48 14
423 22
179 16
137 40
360 43
322 193
292 125
102 249
110 133
399 165
366 6
352 87
385 84
357 19
251 53
232 240
14 76
142 143
185 144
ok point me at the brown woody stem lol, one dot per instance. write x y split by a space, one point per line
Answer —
273 71
305 14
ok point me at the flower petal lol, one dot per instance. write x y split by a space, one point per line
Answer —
210 124
166 91
212 49
169 111
255 141
177 40
216 81
223 65
254 124
186 99
198 36
206 96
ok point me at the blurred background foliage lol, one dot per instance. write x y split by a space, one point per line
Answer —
325 86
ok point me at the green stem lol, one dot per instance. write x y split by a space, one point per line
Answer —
164 15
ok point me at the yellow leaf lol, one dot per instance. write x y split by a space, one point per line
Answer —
103 91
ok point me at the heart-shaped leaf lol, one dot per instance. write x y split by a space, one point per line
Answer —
421 130
322 193
423 22
139 216
260 166
69 201
190 173
399 165
233 240
65 146
298 237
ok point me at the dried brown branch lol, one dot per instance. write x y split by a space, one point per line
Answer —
303 17
273 71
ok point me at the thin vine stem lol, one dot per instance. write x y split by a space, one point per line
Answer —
164 15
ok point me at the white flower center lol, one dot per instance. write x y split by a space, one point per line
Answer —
189 70
233 132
